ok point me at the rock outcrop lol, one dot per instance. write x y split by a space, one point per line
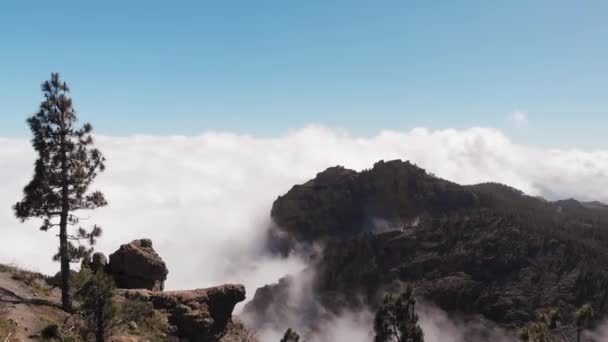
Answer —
341 203
485 249
136 265
30 310
99 262
196 315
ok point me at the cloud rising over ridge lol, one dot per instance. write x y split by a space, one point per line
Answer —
205 200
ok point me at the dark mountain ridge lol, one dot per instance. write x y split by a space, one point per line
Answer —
485 249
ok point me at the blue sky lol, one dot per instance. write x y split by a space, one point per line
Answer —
269 67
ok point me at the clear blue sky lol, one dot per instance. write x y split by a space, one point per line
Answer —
267 67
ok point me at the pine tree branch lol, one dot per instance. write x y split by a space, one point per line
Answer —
563 334
81 218
77 238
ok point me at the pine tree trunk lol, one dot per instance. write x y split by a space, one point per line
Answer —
99 332
99 337
66 299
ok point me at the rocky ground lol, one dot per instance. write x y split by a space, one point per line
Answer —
27 304
30 304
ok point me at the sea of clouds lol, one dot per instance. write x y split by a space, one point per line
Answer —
205 200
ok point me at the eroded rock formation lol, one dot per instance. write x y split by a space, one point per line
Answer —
197 315
136 265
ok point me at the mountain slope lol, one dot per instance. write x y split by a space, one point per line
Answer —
485 249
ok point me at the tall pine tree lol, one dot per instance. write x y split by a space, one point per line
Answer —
66 166
397 320
290 336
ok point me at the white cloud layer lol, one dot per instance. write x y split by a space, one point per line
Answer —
205 200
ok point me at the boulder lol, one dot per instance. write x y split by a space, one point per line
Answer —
136 265
98 262
197 315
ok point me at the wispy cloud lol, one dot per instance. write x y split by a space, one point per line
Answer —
519 118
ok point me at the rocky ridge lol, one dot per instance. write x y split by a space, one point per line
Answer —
196 315
29 302
485 249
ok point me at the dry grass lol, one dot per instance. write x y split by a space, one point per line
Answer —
34 280
22 275
151 325
237 332
7 326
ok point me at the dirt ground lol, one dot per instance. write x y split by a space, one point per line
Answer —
27 305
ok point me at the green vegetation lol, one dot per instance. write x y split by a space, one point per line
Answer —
543 328
149 323
51 331
97 307
105 314
548 326
66 166
7 326
7 329
56 332
397 320
237 332
290 336
582 318
36 281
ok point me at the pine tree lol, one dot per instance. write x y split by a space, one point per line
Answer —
97 306
548 326
582 317
397 320
66 166
290 336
